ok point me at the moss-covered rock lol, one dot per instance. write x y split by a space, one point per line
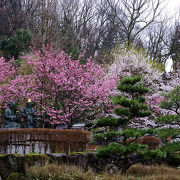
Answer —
15 164
78 153
35 159
8 164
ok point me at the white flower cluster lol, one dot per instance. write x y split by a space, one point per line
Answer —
170 82
130 63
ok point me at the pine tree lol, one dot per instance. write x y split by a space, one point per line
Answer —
130 105
171 102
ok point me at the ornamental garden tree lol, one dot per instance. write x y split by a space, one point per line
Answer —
171 102
6 72
65 91
131 62
129 104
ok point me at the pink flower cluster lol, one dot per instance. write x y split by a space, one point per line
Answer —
154 101
63 89
6 71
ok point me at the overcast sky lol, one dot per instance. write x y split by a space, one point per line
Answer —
173 6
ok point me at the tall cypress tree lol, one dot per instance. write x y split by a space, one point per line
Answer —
130 105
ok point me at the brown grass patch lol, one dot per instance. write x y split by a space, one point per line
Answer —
70 172
61 172
155 171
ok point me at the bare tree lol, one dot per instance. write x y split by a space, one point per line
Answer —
134 16
157 40
42 19
175 46
76 25
11 16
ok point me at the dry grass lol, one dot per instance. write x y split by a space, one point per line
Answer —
61 172
161 172
136 172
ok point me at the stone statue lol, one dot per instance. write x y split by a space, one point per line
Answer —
11 119
29 114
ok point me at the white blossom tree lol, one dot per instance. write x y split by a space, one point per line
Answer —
131 62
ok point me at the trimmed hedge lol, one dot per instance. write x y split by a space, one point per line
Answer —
64 141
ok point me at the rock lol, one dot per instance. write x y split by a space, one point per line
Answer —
111 169
8 164
57 158
97 164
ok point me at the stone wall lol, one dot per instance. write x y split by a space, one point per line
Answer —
11 163
17 163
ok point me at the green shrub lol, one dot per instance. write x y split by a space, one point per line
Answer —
16 176
173 153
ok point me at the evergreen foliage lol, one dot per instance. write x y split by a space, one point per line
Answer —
166 132
168 118
127 107
172 151
125 134
171 102
171 148
17 43
130 105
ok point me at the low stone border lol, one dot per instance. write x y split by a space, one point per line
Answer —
17 163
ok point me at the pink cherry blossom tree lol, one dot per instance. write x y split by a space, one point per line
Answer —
64 90
154 101
6 72
6 69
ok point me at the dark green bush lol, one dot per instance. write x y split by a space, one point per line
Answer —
17 43
173 153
